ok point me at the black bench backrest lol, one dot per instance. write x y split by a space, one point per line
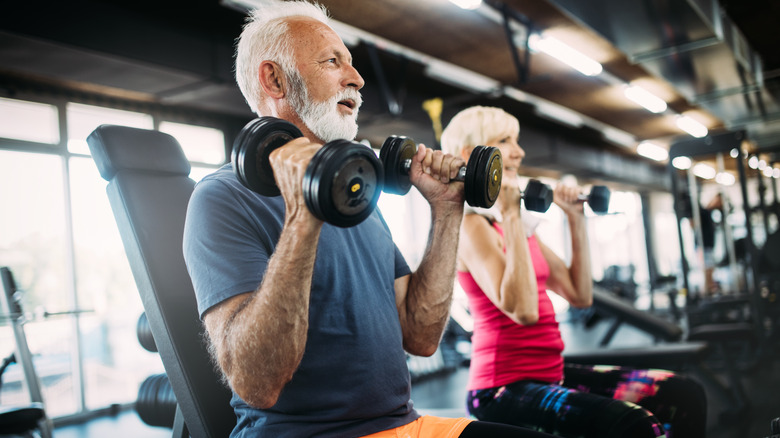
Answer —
149 188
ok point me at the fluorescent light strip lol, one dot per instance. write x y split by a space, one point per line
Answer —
558 113
645 99
691 126
725 179
565 54
652 151
704 171
467 4
682 163
461 77
622 138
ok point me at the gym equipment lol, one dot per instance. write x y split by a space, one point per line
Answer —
31 417
597 199
678 350
341 185
144 334
539 196
149 188
774 428
156 402
481 176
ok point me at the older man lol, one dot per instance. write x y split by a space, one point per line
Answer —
309 322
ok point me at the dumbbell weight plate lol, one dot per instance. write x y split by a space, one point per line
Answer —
252 147
598 199
395 150
484 172
537 196
342 183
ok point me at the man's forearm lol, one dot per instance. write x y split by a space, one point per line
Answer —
256 361
429 296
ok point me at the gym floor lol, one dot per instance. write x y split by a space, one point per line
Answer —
444 394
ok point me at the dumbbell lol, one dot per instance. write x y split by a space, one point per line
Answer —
539 196
341 184
598 199
481 175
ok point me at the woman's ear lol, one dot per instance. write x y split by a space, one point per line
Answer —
271 79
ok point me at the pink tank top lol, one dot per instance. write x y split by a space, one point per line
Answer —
504 351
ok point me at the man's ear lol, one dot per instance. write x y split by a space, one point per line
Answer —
271 79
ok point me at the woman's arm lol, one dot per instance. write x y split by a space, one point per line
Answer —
506 277
575 282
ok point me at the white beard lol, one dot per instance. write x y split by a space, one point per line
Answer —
323 118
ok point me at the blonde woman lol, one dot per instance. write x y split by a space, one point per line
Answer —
517 375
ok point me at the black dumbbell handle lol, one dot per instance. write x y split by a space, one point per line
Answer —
406 165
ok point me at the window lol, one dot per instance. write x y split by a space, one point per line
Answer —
200 144
29 121
83 119
33 245
61 242
114 362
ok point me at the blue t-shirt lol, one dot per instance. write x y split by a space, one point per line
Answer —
353 379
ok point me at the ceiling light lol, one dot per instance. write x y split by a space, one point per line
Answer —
768 172
725 179
461 77
753 162
516 94
682 163
559 114
644 98
565 54
467 4
620 137
734 152
691 126
761 164
652 151
704 171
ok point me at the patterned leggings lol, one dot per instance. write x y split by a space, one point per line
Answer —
599 401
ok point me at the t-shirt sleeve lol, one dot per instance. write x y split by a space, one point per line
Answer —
225 249
401 267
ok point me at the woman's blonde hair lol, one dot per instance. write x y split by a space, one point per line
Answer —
476 126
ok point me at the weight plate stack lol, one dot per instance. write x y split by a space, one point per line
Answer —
342 183
484 172
394 152
252 147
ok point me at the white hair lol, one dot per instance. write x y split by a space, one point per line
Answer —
476 126
265 37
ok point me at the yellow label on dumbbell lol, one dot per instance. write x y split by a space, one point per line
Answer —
355 187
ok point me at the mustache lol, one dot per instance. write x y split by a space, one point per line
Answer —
351 94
